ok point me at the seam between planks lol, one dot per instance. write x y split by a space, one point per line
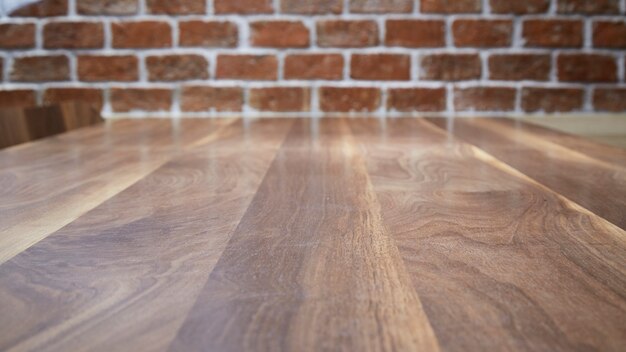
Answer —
487 158
403 273
243 214
498 129
112 190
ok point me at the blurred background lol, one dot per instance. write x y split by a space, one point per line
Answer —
167 58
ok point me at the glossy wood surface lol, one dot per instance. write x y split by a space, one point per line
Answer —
309 235
596 183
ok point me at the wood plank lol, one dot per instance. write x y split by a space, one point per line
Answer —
21 125
124 275
608 153
310 267
499 261
603 129
595 184
45 185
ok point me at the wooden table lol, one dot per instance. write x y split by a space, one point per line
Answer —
309 235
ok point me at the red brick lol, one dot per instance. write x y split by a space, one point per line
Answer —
280 99
517 67
520 7
40 68
484 99
177 67
340 99
43 8
129 99
311 6
380 67
415 33
145 34
553 33
588 6
260 67
610 99
279 34
416 99
347 34
314 66
73 35
91 96
451 6
381 6
17 36
201 98
208 34
482 33
97 68
607 34
451 67
108 7
176 7
18 97
552 99
243 6
587 68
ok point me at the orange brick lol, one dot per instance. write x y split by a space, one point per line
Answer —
280 99
347 99
129 99
102 68
279 34
260 67
380 67
201 98
415 33
140 35
73 35
314 66
416 99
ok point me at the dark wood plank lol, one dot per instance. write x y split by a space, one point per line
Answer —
13 128
499 261
21 125
47 184
595 184
124 275
310 267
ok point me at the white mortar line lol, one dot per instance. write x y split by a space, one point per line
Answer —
587 99
588 34
621 61
487 7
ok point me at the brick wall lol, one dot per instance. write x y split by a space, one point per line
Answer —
207 57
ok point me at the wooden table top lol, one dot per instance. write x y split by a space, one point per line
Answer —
309 235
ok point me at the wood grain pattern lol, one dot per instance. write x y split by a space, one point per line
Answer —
307 235
277 287
47 184
125 279
500 263
595 184
610 154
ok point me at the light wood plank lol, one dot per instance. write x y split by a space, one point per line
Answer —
46 185
310 267
584 145
124 275
595 184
